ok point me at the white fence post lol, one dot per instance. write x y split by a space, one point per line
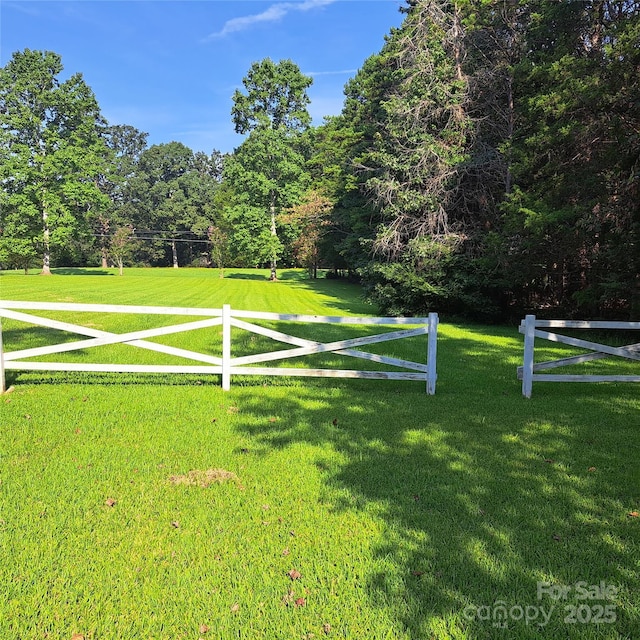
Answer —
3 382
432 344
527 365
226 347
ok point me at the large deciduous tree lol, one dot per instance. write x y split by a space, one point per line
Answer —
126 144
267 171
51 155
173 198
161 196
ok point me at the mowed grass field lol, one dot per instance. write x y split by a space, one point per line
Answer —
161 507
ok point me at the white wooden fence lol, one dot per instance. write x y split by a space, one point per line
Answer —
530 328
226 365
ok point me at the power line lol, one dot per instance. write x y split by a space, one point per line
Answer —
156 239
170 239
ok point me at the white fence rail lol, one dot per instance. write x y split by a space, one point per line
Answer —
226 365
530 327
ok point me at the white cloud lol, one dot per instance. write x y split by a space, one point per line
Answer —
274 13
23 8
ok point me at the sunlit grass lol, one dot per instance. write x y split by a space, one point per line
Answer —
401 512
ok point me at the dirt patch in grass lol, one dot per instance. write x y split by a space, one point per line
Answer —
199 478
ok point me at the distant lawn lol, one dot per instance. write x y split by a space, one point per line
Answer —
332 508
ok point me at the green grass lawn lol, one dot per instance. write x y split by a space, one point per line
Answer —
349 508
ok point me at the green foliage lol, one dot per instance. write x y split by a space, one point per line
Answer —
511 129
173 198
276 97
574 161
267 172
19 250
434 276
51 155
486 162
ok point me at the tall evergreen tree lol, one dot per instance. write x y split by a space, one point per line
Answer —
574 214
497 145
414 152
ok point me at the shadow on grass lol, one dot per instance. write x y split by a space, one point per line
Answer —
288 275
159 380
246 276
483 494
80 271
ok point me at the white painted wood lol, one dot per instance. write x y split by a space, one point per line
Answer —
264 315
108 308
3 380
175 351
113 338
301 342
270 333
432 345
326 373
226 366
226 347
51 324
585 357
374 357
329 346
587 324
112 368
623 352
527 367
79 329
527 373
548 377
308 347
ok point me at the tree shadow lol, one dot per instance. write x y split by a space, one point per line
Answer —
80 271
286 275
246 276
484 495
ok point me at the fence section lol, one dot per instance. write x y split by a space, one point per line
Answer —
226 365
530 327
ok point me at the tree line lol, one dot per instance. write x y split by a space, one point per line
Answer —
486 161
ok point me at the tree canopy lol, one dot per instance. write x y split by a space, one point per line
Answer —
486 162
267 171
51 154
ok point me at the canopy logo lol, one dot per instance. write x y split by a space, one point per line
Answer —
578 603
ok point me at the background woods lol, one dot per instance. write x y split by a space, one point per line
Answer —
486 161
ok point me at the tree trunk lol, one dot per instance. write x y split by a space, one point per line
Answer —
510 131
274 275
457 43
104 257
46 254
174 251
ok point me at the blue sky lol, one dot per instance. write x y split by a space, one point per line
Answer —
170 67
